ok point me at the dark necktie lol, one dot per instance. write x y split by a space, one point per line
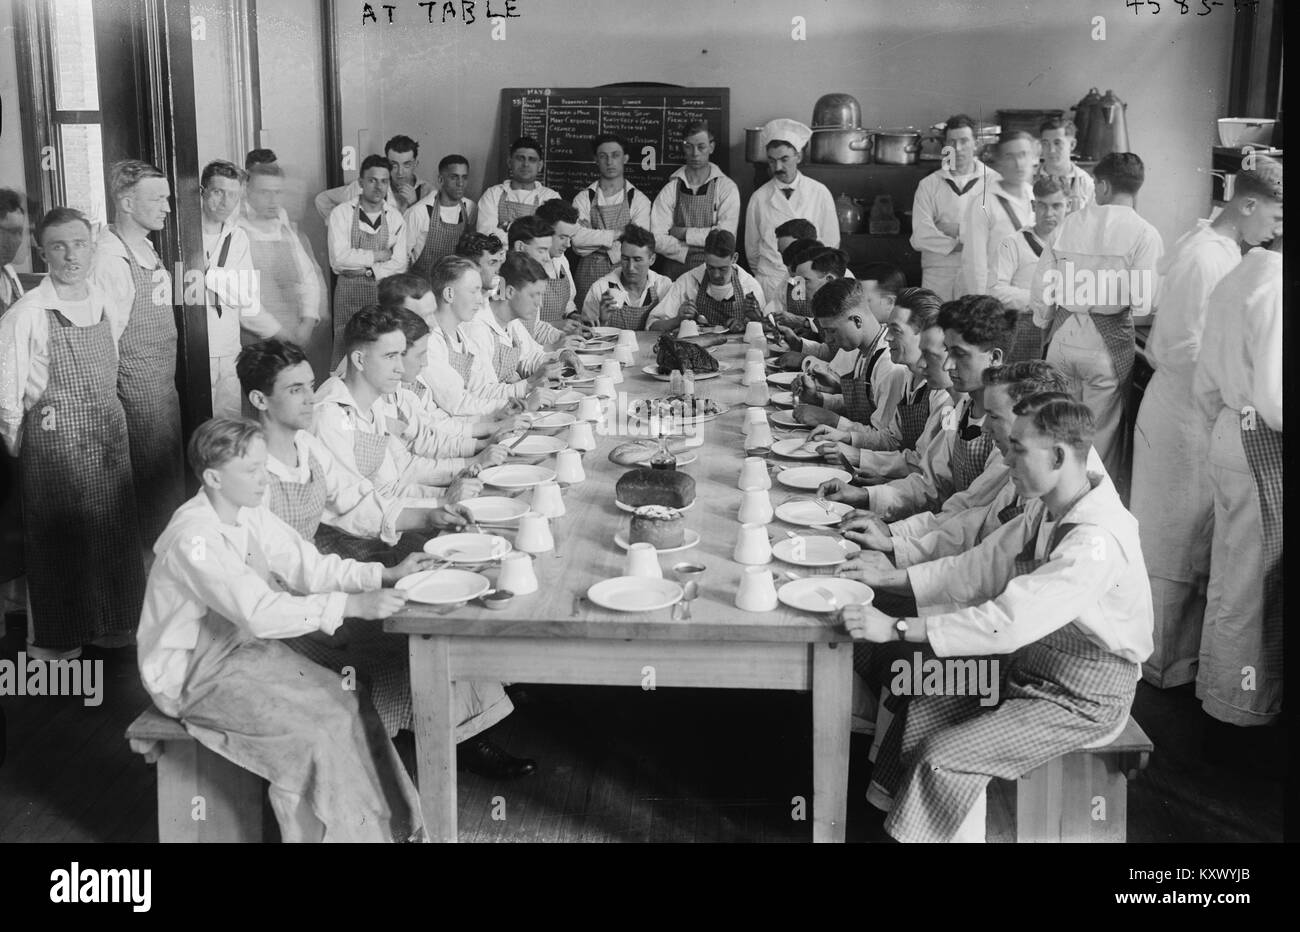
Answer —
788 192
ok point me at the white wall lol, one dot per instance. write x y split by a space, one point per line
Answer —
907 63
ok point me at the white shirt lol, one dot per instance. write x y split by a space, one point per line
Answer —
448 389
1104 242
235 285
726 212
327 200
1013 268
930 487
986 224
769 208
489 204
483 334
934 203
613 281
309 287
401 472
588 240
974 604
25 348
1199 261
343 258
417 220
111 272
687 285
1241 351
203 565
1080 188
428 410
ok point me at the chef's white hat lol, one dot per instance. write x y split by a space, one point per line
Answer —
788 131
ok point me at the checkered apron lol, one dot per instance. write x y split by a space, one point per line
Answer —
596 266
368 449
1116 332
1263 448
300 504
280 280
632 318
859 400
352 291
505 360
969 453
85 578
146 384
1057 695
731 313
440 241
913 416
461 363
510 211
555 304
695 210
793 305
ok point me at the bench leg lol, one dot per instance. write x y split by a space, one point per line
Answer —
194 781
1076 798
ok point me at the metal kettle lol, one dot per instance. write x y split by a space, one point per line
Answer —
1107 130
1083 114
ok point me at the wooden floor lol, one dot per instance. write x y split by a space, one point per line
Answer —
614 764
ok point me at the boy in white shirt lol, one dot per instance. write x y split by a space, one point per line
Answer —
519 195
1056 137
605 207
625 297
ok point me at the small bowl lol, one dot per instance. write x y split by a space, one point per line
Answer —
498 600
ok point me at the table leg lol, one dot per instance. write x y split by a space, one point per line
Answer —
435 734
832 681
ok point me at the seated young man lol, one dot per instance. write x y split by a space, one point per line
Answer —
868 395
1062 589
787 307
486 252
625 297
977 330
216 610
535 237
915 311
882 281
362 428
561 300
716 293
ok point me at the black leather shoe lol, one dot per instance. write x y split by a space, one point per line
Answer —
481 756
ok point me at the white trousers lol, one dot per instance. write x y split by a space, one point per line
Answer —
1079 352
943 280
225 387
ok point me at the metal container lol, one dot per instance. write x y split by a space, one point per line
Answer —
1235 132
754 151
837 111
842 146
897 146
1028 121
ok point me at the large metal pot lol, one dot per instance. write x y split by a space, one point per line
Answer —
842 146
897 146
837 111
754 151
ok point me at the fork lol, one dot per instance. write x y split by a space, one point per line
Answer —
825 506
829 597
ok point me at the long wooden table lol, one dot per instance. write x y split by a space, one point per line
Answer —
556 636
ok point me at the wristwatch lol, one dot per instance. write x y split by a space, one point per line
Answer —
901 627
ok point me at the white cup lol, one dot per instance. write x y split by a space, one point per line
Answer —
628 338
590 409
752 545
760 437
755 374
753 474
623 355
755 506
534 534
757 592
752 416
568 466
616 295
758 395
547 500
754 335
643 560
611 369
753 356
517 574
581 437
603 386
688 328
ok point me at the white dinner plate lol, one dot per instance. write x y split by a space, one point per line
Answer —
587 379
785 419
553 420
468 548
495 509
782 399
802 593
685 458
516 476
652 370
568 398
606 332
692 538
635 593
808 477
635 507
814 550
672 422
794 449
539 445
598 346
443 587
807 513
783 378
591 362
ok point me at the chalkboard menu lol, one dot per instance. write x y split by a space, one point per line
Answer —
564 119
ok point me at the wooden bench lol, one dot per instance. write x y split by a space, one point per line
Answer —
193 781
1081 796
